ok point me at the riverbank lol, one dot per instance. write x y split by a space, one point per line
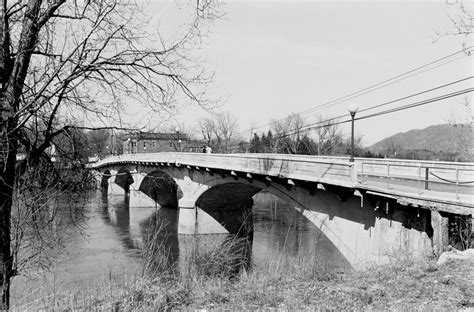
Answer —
402 285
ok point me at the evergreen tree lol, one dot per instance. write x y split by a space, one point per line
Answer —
270 142
254 143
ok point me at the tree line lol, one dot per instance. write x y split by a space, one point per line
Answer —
285 136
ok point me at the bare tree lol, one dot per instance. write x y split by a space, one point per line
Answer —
219 132
461 14
225 128
463 137
462 17
328 136
98 141
62 58
288 133
391 147
207 128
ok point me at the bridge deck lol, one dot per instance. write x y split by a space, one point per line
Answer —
444 186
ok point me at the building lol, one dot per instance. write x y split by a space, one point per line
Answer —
149 142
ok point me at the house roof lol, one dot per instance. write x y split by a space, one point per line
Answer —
155 136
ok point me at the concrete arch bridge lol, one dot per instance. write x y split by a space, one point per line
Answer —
370 209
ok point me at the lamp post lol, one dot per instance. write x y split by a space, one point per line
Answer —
179 141
352 108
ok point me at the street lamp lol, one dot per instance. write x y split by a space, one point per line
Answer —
352 108
179 141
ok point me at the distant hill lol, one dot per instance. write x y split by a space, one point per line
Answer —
443 138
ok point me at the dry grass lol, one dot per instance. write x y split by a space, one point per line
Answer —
224 260
282 286
216 277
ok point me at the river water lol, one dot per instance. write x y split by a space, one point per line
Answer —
112 233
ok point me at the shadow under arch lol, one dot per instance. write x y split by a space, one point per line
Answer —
162 188
124 179
231 205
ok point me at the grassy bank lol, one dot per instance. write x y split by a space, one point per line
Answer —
279 285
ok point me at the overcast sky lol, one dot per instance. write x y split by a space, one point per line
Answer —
274 58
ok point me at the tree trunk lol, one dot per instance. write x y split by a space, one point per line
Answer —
8 153
6 180
6 196
12 78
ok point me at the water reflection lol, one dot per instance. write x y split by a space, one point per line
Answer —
114 233
279 231
117 215
160 239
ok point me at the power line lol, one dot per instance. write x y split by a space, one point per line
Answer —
416 94
385 103
388 111
443 97
411 73
384 85
394 101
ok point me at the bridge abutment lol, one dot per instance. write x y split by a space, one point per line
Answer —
440 225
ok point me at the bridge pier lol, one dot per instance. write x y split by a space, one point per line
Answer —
192 219
137 197
108 183
197 221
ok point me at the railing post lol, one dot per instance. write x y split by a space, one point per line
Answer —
427 176
457 183
388 176
419 180
353 171
362 172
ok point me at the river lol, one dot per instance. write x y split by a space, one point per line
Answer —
111 234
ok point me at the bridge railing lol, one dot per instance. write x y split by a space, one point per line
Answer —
299 167
288 166
441 180
447 177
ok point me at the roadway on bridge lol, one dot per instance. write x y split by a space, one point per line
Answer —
400 179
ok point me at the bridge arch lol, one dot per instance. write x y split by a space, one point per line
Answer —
124 179
230 204
364 228
162 188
